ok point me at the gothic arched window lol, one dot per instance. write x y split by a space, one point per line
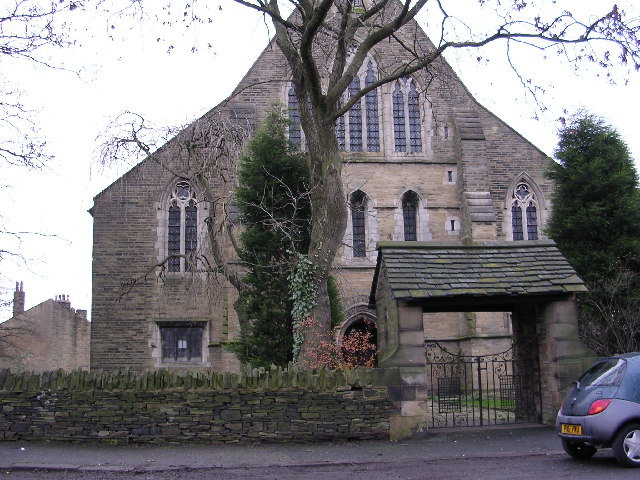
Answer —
295 133
410 216
358 204
524 213
406 116
182 236
371 107
358 129
355 118
353 129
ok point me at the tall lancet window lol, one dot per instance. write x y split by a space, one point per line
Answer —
182 240
355 118
524 213
371 106
406 117
359 129
415 132
295 133
399 128
410 216
358 203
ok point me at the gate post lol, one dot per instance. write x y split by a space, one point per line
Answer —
403 357
563 356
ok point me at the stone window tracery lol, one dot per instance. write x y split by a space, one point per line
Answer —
182 234
524 213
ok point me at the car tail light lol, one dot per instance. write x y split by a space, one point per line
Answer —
599 406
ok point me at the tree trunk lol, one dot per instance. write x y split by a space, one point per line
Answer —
328 223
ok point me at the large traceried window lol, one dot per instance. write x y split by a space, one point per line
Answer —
357 130
524 213
182 240
358 204
410 216
407 131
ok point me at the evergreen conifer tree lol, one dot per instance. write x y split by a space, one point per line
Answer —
273 201
596 203
596 224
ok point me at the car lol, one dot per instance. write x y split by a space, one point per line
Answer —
603 411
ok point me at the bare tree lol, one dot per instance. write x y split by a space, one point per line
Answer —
30 30
610 315
27 27
12 340
205 154
326 43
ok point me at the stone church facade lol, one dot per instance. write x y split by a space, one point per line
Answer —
423 162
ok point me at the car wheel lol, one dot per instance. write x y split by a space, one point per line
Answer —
579 450
626 446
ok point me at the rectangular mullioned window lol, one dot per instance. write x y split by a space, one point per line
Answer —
182 342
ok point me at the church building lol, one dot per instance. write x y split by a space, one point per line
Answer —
423 162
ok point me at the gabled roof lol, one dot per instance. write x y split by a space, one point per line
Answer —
436 273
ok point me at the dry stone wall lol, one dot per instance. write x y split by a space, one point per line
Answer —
165 407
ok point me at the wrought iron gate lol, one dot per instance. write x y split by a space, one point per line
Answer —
477 391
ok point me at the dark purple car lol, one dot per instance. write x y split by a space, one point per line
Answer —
603 410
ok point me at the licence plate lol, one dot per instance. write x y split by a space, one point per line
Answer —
571 429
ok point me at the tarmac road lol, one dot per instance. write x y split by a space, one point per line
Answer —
527 453
534 467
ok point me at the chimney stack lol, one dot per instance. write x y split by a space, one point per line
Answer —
63 300
18 300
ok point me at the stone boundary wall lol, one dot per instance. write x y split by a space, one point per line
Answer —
162 406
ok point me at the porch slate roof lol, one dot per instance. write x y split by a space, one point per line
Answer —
430 270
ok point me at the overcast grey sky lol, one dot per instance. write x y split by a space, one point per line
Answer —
137 74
